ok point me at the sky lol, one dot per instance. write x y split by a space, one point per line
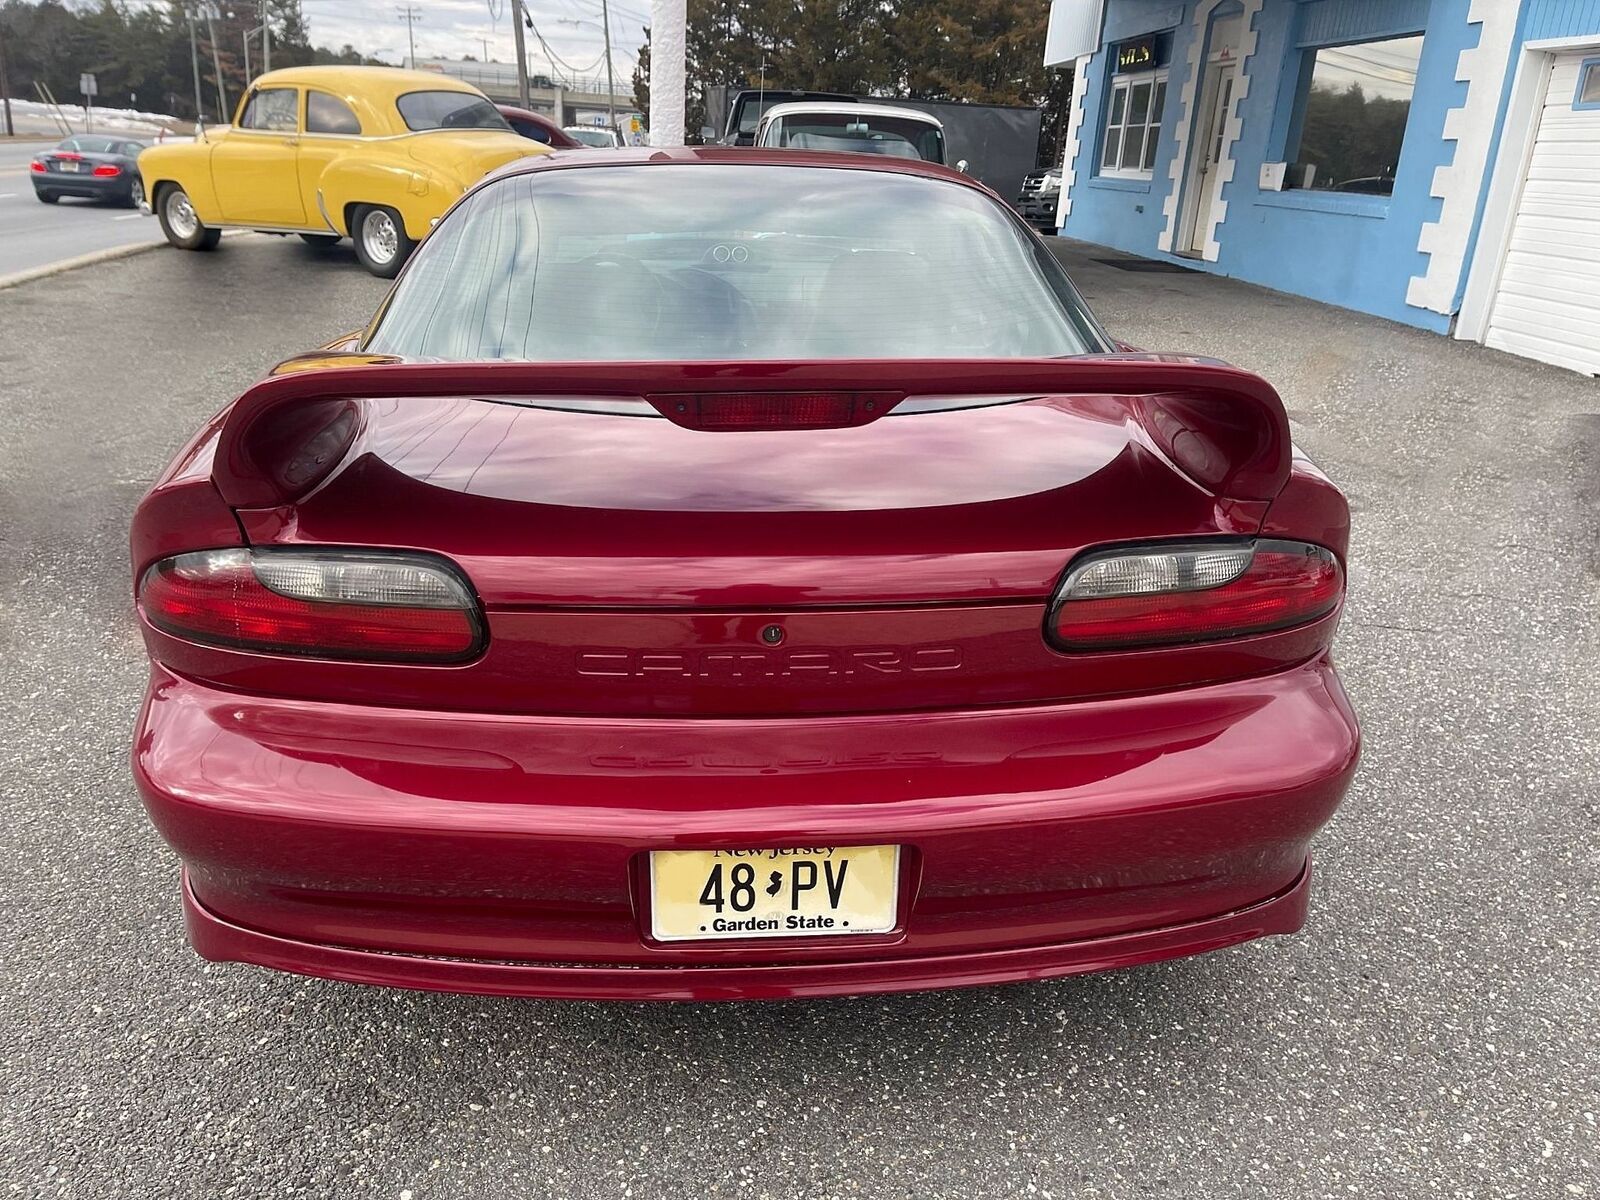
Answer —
1387 68
451 28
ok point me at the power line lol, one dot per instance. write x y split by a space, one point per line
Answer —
410 15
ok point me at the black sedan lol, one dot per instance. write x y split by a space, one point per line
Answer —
101 168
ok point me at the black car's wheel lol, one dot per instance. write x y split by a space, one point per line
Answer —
47 197
181 223
320 241
136 192
381 241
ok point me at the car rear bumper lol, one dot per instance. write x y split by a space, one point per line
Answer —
94 186
222 941
507 854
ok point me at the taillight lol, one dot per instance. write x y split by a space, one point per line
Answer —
774 410
1194 592
37 167
399 607
107 170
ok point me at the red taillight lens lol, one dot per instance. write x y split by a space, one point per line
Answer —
774 410
324 604
1197 592
107 170
37 167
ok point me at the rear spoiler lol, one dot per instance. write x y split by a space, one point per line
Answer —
1224 428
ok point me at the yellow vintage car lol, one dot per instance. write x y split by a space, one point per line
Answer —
375 154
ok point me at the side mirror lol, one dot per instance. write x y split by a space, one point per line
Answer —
961 165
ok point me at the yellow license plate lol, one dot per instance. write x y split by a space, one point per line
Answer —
818 891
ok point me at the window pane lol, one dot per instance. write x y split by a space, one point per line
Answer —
448 110
1133 148
1159 103
840 264
1354 116
1150 141
329 114
1113 148
1119 96
1589 85
273 109
1138 104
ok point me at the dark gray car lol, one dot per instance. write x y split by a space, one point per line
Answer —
91 165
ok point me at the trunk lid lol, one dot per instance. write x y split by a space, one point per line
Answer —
470 154
630 565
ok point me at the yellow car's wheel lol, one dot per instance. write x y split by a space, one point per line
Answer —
381 241
179 221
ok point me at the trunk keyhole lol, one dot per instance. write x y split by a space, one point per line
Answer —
772 634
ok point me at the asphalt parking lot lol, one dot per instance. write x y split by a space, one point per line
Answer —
1432 1033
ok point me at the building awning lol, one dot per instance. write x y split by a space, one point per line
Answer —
1074 30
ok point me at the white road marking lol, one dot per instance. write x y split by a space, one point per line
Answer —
124 217
7 195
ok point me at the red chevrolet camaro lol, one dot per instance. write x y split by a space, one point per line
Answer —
730 573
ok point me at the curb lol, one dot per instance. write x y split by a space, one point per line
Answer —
89 260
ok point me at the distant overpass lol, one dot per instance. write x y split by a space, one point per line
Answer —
568 100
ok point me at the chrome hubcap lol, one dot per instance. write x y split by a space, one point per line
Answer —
181 216
138 191
379 236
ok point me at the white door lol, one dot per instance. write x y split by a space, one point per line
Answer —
1205 156
1547 305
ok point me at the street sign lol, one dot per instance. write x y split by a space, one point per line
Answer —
87 85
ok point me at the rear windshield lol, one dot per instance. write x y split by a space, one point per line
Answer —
723 261
448 110
896 137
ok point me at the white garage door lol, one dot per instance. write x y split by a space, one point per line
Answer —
1548 303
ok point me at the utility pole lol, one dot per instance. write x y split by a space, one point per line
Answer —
223 111
611 90
266 37
411 16
517 18
194 61
668 32
5 84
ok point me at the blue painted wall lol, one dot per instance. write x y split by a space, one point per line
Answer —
1356 251
1560 18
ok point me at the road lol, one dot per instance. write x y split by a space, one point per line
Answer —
1431 1033
34 234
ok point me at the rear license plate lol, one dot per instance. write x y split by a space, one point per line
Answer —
70 167
696 895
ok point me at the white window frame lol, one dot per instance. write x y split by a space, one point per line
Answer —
1151 127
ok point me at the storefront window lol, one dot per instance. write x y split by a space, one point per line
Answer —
1133 126
1352 117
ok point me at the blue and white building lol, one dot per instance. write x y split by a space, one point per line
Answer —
1436 162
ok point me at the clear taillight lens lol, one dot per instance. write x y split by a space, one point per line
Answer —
1194 592
398 607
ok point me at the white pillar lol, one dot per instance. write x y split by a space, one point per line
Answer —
668 33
